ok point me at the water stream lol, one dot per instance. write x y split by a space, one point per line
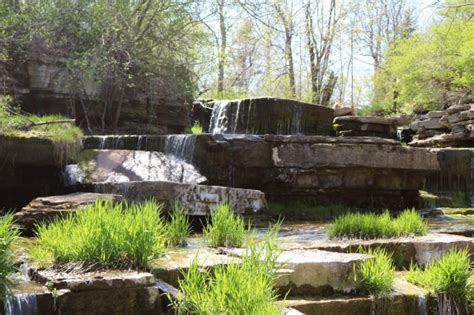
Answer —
180 146
21 304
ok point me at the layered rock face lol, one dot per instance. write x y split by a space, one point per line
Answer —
42 87
263 116
357 171
365 126
451 127
30 167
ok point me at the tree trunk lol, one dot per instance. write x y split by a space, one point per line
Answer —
222 49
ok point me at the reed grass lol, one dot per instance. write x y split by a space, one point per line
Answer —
105 234
448 278
240 287
8 236
371 226
196 129
375 275
179 226
225 228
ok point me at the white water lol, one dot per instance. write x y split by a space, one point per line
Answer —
421 301
181 146
220 117
21 304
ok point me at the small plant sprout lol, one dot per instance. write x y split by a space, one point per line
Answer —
375 275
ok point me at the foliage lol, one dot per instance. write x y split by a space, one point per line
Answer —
369 225
448 277
196 129
459 200
105 233
225 227
244 287
301 211
8 236
14 122
425 70
375 275
179 227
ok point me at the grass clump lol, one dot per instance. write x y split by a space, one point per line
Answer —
196 129
370 226
448 278
245 287
375 275
8 236
14 122
179 226
225 228
106 234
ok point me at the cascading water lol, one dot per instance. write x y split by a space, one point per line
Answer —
421 302
21 304
220 117
181 146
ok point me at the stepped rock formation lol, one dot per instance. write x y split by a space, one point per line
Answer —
358 171
367 126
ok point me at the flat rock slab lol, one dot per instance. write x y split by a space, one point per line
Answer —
313 271
199 200
130 165
421 250
45 209
363 120
170 267
91 281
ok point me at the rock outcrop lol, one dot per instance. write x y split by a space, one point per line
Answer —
358 171
264 115
44 209
31 167
451 127
199 200
367 126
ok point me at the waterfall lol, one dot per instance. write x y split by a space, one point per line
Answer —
102 140
181 146
220 117
421 302
140 141
21 304
296 120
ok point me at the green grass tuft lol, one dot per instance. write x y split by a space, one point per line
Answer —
375 276
370 226
104 234
179 226
8 236
13 121
245 287
448 278
225 227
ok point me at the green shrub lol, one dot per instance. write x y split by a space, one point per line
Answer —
107 234
234 288
375 276
8 236
448 278
225 227
369 225
179 226
196 129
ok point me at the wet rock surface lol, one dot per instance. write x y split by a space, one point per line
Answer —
358 171
264 115
30 167
45 209
104 166
421 249
199 200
